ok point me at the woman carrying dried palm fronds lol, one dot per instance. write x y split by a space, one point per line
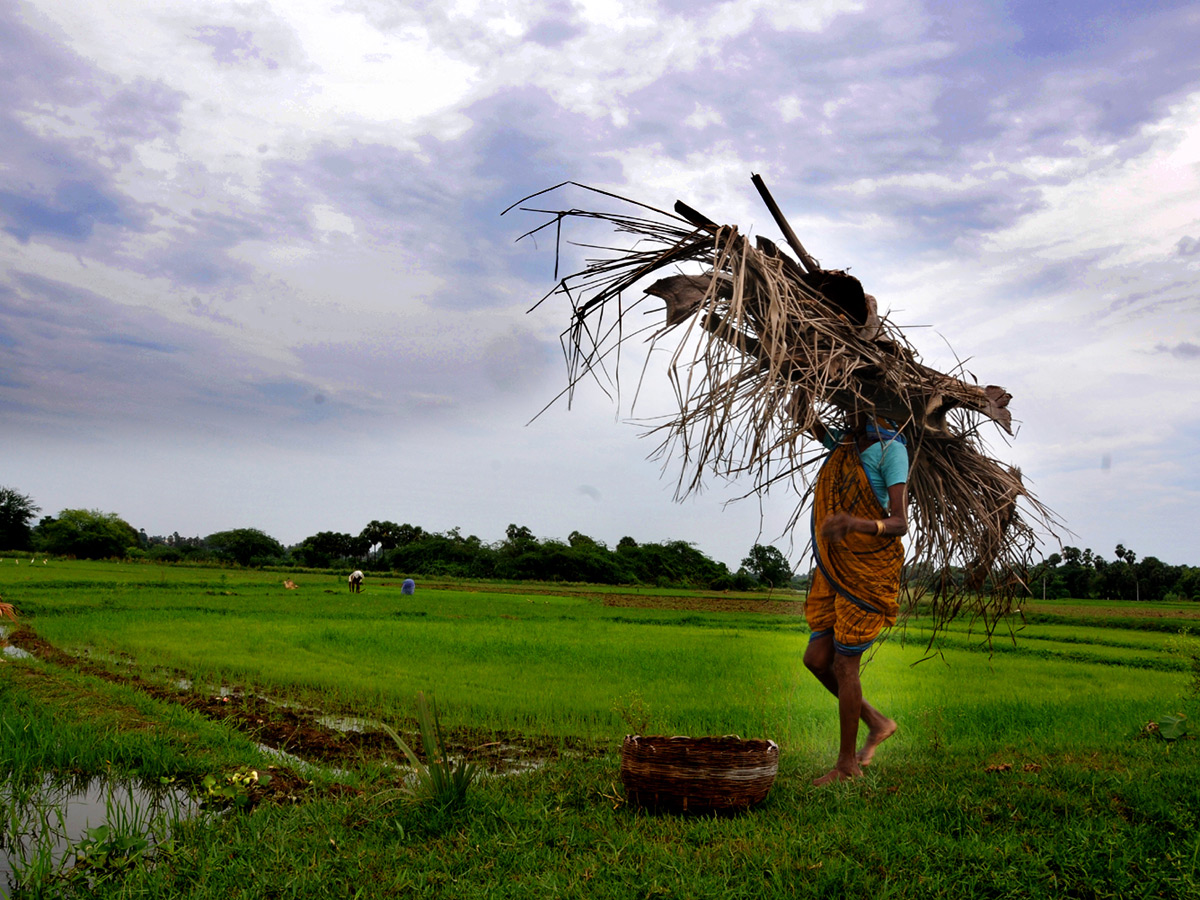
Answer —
859 514
767 348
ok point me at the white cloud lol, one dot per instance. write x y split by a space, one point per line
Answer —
330 222
929 183
702 116
1129 206
394 77
790 108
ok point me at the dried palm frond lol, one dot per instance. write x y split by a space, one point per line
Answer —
766 349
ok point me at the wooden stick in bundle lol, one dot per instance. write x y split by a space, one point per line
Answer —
790 236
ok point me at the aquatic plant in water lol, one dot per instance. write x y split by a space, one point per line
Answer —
39 850
234 789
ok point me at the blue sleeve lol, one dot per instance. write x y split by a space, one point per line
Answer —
893 464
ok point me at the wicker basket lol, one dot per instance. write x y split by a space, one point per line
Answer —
697 774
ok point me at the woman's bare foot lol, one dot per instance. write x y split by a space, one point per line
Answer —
876 736
838 774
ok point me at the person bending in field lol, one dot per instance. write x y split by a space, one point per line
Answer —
857 519
356 578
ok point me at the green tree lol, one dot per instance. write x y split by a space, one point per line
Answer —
768 566
1188 585
1045 579
16 512
448 554
85 533
245 546
1154 578
384 535
408 534
1075 575
581 541
676 562
324 548
518 539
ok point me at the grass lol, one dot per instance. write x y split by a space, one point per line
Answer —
54 720
1020 772
934 827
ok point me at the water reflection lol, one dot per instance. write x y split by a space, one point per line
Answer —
347 724
43 825
8 649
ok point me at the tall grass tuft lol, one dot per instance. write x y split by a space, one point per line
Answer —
439 781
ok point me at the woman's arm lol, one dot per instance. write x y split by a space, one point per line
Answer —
838 525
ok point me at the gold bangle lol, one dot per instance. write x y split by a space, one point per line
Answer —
879 527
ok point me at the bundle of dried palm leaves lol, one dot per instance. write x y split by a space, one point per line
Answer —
765 348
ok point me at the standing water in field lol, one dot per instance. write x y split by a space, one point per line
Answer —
8 650
87 826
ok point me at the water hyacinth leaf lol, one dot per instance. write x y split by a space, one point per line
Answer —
1172 727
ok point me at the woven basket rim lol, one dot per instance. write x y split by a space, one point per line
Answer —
731 740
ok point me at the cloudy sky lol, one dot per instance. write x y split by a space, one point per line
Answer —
254 271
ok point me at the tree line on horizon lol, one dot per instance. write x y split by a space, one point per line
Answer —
388 546
1089 576
521 556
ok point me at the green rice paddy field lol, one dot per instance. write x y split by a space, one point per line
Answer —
1036 766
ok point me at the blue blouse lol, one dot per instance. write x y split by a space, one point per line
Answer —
885 462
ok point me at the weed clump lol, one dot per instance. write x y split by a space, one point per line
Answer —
438 781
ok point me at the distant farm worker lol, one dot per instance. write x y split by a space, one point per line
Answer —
408 587
356 578
859 514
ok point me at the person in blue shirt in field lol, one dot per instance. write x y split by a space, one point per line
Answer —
859 513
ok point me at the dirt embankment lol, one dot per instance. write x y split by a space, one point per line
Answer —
1127 611
788 607
782 604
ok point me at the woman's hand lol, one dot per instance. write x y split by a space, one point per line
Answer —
837 525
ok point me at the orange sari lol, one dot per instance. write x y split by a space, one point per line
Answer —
856 581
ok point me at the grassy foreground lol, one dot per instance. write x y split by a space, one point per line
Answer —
1024 773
